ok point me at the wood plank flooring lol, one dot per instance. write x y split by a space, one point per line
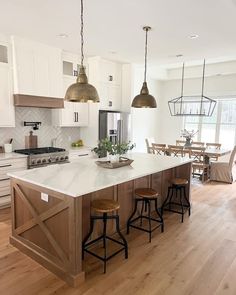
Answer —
197 257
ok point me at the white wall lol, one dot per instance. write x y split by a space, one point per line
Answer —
216 86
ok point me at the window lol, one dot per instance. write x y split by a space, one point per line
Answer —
220 127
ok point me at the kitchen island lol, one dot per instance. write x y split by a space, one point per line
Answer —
51 205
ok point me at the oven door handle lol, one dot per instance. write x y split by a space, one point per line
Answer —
7 165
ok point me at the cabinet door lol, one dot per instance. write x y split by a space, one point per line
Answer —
103 96
7 111
81 114
115 96
67 114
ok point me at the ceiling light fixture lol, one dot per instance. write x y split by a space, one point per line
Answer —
195 36
144 99
62 35
186 105
81 91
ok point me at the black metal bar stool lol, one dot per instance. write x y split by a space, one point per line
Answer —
104 206
178 185
145 196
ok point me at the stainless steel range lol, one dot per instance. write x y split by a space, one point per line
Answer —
39 157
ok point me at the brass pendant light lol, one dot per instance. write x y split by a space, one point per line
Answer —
81 91
144 99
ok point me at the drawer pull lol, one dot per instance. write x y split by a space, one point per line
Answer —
82 155
4 179
7 165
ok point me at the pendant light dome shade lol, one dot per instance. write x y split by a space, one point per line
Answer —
144 99
81 91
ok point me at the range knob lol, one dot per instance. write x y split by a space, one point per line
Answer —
66 157
33 162
49 160
38 161
57 159
44 161
62 159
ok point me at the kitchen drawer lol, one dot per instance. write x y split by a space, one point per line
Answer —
10 166
4 187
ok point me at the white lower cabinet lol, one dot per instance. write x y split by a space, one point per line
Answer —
74 114
6 166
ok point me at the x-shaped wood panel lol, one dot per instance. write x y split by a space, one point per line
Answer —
39 219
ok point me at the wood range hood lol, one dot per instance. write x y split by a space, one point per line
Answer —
23 100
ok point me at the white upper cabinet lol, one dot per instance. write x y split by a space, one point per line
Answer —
106 76
74 114
37 68
7 110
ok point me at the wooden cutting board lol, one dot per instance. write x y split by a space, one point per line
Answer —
31 141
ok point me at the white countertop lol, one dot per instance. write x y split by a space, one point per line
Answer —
83 176
8 156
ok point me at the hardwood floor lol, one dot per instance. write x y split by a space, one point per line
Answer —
196 257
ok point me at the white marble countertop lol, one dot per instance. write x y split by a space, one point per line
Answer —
83 176
8 156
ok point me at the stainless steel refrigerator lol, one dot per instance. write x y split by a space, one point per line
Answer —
115 125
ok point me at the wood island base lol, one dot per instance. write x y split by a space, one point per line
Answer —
49 226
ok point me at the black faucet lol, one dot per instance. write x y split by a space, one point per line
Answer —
35 125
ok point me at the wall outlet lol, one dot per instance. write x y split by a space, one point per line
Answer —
44 197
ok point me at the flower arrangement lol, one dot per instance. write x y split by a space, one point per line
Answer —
105 146
188 134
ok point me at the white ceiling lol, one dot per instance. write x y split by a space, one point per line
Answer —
116 25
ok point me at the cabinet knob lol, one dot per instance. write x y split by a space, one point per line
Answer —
110 78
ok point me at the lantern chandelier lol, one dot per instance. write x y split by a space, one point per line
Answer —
199 105
144 99
81 91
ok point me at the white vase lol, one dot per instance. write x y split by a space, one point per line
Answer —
113 158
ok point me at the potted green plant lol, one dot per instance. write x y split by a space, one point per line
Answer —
114 150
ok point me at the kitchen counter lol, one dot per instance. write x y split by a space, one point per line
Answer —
7 156
51 206
84 176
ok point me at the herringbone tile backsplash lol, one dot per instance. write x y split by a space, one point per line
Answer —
46 132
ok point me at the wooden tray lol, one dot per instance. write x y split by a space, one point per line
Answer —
112 165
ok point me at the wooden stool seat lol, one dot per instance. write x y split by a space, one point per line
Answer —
146 193
105 205
179 181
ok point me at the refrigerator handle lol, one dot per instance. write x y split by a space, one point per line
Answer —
120 131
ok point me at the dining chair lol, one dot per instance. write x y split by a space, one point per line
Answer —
175 150
149 142
199 167
159 148
180 142
216 146
197 144
224 171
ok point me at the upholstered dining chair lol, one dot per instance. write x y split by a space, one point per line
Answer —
149 141
224 171
216 146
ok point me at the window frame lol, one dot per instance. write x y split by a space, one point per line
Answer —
218 123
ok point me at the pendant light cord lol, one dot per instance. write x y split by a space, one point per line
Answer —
82 32
145 57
